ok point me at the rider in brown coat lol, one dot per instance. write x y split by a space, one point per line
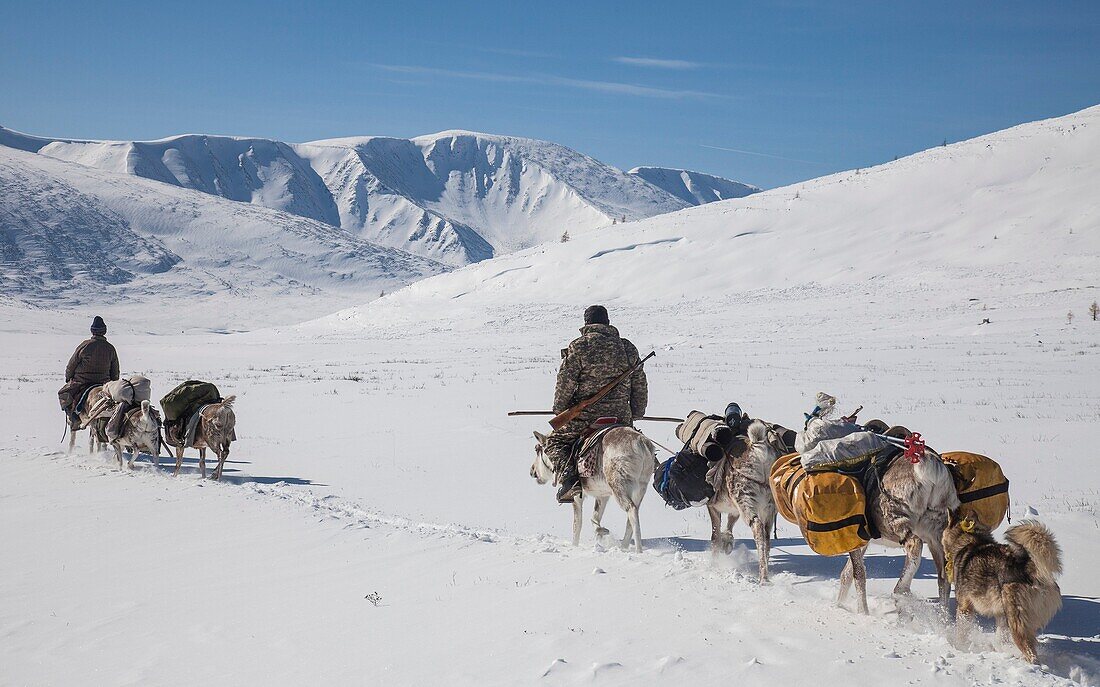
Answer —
94 362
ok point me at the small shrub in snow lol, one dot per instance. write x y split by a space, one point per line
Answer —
1094 310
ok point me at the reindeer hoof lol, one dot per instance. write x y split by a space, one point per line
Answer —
602 531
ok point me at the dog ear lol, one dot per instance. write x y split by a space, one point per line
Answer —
541 438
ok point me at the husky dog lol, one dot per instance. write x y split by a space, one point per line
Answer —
742 490
140 431
624 468
1012 582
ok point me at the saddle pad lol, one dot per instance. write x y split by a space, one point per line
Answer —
588 458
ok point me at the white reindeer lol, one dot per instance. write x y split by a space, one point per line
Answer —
625 462
140 431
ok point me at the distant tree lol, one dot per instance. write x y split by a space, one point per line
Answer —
382 294
945 143
1094 310
623 220
1069 317
565 236
797 195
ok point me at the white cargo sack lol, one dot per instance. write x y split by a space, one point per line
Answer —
844 451
132 390
819 429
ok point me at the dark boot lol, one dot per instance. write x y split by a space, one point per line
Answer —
570 482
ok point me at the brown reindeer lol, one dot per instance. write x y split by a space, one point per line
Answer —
216 430
94 416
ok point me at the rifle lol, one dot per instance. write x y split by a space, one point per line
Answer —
566 416
647 418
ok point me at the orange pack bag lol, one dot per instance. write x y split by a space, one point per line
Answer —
982 486
829 507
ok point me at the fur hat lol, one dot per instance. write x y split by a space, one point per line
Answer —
596 314
99 327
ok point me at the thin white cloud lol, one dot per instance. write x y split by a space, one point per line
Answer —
550 80
657 63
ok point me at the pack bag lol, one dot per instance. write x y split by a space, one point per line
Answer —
132 390
182 400
682 480
830 508
705 435
981 485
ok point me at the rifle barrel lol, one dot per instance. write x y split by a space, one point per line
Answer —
647 418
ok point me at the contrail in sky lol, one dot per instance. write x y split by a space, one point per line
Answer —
777 157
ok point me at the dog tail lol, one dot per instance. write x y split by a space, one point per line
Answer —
1035 538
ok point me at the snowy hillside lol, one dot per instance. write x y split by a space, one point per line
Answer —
456 197
695 188
70 234
1013 210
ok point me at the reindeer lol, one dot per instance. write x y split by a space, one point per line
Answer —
625 463
94 415
216 430
743 491
140 431
910 509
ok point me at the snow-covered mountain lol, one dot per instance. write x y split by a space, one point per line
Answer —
456 197
695 188
71 234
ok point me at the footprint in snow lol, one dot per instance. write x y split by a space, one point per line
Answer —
557 666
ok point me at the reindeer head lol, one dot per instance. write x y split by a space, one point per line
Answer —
541 469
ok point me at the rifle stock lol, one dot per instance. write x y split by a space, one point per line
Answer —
566 416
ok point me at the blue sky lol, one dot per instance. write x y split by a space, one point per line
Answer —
765 92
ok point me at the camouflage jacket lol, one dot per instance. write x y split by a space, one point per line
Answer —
592 361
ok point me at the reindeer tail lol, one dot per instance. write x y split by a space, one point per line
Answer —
1035 538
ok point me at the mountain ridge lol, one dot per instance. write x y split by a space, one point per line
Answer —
455 196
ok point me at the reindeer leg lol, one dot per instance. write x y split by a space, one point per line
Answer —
715 530
944 585
859 568
597 517
913 547
72 440
221 463
633 526
578 516
845 581
202 462
179 460
760 534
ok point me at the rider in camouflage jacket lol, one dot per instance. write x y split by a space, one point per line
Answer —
592 361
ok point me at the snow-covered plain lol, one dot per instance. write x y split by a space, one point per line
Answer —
377 523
